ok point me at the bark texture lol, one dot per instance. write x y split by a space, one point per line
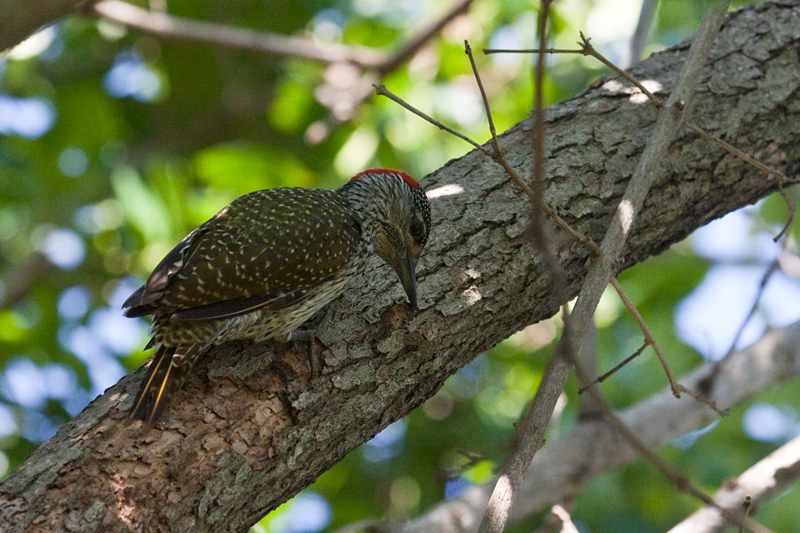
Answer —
252 427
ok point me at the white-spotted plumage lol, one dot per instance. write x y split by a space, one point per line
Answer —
266 263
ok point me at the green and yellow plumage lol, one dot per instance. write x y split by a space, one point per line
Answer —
266 263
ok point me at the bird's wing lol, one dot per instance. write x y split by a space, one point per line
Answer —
268 248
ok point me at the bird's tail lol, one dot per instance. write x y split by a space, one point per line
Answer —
165 375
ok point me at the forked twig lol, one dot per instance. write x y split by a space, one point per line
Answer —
676 387
678 480
614 370
588 50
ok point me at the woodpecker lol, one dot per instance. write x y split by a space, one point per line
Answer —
266 263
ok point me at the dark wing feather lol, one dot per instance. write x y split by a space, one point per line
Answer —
238 306
144 300
268 248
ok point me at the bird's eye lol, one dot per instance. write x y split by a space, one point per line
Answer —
417 229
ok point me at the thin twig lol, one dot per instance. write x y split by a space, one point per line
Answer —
590 50
771 269
530 432
422 36
676 387
648 337
534 51
680 481
383 91
603 268
780 178
492 129
614 370
646 15
181 28
500 160
747 506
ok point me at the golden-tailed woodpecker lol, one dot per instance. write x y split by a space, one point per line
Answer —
266 263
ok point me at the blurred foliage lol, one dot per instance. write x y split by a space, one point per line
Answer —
114 145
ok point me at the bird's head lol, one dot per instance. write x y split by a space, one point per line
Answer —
400 216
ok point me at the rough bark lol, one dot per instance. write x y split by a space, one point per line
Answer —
252 427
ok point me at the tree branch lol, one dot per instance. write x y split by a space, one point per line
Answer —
603 268
592 447
273 44
757 485
250 429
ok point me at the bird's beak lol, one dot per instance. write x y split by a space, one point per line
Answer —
408 278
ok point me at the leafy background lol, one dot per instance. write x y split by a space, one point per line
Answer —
115 144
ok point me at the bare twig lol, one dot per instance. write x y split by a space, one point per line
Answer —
530 432
771 269
172 27
534 51
591 448
779 177
680 481
383 91
747 506
676 387
495 143
590 50
648 337
614 370
422 36
349 98
604 267
500 160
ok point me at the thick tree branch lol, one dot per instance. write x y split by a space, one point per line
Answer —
591 448
760 483
250 429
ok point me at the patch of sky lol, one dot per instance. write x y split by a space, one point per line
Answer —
327 24
386 444
130 76
117 333
308 512
454 489
769 423
466 383
106 215
104 370
684 442
8 424
709 318
73 303
27 117
64 248
506 38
